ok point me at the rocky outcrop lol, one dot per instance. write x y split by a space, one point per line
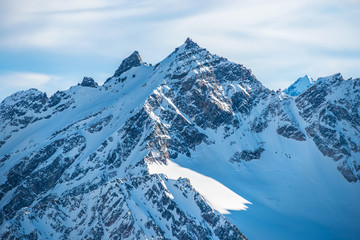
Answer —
89 82
247 155
134 60
330 107
109 211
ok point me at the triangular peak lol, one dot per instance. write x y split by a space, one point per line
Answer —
134 60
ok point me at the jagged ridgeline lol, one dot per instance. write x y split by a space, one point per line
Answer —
94 161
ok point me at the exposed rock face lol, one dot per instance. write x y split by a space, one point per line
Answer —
89 82
78 162
331 107
109 210
15 110
134 60
247 155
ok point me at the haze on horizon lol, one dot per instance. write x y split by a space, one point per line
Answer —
51 45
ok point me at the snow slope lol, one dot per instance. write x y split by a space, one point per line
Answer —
194 147
294 191
299 86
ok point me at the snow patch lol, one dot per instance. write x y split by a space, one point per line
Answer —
216 194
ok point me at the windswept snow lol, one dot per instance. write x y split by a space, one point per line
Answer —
217 195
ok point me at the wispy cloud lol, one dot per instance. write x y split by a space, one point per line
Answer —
24 79
280 40
12 82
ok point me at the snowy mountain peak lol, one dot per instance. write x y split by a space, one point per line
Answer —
332 79
188 48
23 96
299 86
164 152
188 40
134 60
308 78
189 43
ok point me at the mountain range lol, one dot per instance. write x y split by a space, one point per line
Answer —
193 147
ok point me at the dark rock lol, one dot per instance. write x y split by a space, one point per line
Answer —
347 172
189 43
89 82
134 60
99 125
247 155
329 120
291 132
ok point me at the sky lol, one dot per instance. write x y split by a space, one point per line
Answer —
52 45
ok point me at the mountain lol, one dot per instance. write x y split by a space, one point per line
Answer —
299 86
194 147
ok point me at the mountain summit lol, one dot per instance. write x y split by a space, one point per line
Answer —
194 148
134 60
299 86
189 43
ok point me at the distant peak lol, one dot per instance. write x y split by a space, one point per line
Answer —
337 76
189 40
305 79
134 60
29 95
189 43
299 86
332 79
89 82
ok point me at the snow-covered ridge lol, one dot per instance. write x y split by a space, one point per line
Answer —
179 150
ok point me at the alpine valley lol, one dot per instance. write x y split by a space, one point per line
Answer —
194 147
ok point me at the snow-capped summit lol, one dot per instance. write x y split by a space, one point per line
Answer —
180 150
189 43
134 60
299 86
333 79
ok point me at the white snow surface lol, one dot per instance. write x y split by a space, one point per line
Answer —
217 195
295 192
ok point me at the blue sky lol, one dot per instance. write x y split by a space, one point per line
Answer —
51 45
